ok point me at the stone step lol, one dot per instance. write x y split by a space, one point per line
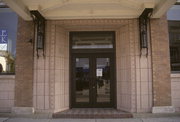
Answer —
92 113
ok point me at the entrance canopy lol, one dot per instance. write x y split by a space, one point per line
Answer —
88 9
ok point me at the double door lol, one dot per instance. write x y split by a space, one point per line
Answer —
92 80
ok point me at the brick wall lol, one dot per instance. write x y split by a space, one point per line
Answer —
160 62
61 69
134 81
6 92
175 90
123 69
24 65
51 72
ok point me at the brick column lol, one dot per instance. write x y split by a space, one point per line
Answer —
24 68
160 65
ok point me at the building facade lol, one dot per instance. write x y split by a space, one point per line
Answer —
94 55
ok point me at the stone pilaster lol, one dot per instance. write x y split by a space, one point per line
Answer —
160 63
24 65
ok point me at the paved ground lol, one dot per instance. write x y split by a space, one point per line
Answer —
47 118
165 119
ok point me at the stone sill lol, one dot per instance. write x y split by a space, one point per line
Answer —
7 76
175 75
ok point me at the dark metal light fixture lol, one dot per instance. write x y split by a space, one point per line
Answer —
39 21
143 24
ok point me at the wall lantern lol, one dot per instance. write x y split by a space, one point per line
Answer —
144 19
39 30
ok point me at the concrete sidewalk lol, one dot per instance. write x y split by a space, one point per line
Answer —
140 117
168 119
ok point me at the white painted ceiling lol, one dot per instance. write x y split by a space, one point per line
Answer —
85 9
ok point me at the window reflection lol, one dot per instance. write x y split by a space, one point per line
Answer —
8 31
82 81
103 79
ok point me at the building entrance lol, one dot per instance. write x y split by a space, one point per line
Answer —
92 70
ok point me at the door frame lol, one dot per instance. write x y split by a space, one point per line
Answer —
92 92
91 51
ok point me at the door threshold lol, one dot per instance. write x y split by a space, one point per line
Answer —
87 113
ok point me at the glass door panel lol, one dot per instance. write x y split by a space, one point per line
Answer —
82 74
103 80
92 81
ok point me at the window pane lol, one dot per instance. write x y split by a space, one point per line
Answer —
103 79
8 30
91 40
174 40
82 79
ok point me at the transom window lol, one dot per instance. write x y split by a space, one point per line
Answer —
92 40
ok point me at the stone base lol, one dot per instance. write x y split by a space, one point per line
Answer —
59 110
163 109
22 110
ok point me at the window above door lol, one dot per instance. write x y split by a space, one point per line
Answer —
92 40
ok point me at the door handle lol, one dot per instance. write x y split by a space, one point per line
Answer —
94 87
